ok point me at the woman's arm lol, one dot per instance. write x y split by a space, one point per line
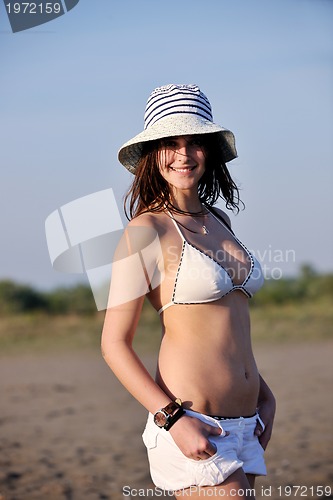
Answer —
130 280
118 332
266 407
135 261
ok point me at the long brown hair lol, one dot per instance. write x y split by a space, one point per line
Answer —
150 192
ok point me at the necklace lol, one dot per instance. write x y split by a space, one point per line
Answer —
204 228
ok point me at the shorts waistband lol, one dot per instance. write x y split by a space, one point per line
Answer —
230 421
219 417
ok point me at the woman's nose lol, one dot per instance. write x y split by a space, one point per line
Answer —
183 150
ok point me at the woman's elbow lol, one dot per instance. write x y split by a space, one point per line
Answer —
113 346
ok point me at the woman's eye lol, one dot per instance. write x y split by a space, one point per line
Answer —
169 144
195 142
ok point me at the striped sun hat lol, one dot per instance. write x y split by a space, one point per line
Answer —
174 110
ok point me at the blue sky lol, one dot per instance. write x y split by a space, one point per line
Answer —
73 90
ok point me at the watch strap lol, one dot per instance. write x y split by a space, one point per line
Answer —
171 408
173 419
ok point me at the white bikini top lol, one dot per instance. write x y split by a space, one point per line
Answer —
200 278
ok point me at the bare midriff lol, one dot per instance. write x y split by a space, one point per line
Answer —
206 357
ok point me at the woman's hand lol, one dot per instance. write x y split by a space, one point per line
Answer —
191 436
266 409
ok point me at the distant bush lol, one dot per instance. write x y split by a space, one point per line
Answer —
15 298
78 299
308 285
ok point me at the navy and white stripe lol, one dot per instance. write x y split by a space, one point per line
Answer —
176 110
175 99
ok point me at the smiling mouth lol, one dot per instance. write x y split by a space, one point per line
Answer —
183 170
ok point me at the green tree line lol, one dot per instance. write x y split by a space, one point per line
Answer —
17 298
308 285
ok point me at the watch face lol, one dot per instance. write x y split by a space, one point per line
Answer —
160 419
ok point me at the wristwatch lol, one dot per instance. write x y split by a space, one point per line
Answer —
167 416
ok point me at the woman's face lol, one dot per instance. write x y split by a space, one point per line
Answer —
182 161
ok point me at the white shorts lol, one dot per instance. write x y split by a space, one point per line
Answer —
171 470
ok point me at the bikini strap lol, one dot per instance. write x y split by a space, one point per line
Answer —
220 218
163 308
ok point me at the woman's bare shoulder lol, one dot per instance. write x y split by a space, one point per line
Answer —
147 219
143 229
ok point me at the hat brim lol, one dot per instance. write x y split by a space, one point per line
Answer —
171 126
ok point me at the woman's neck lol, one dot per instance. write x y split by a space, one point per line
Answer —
186 202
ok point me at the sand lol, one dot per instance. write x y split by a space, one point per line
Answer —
68 430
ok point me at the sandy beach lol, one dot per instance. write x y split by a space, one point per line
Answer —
69 431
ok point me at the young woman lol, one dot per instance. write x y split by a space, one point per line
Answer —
210 412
